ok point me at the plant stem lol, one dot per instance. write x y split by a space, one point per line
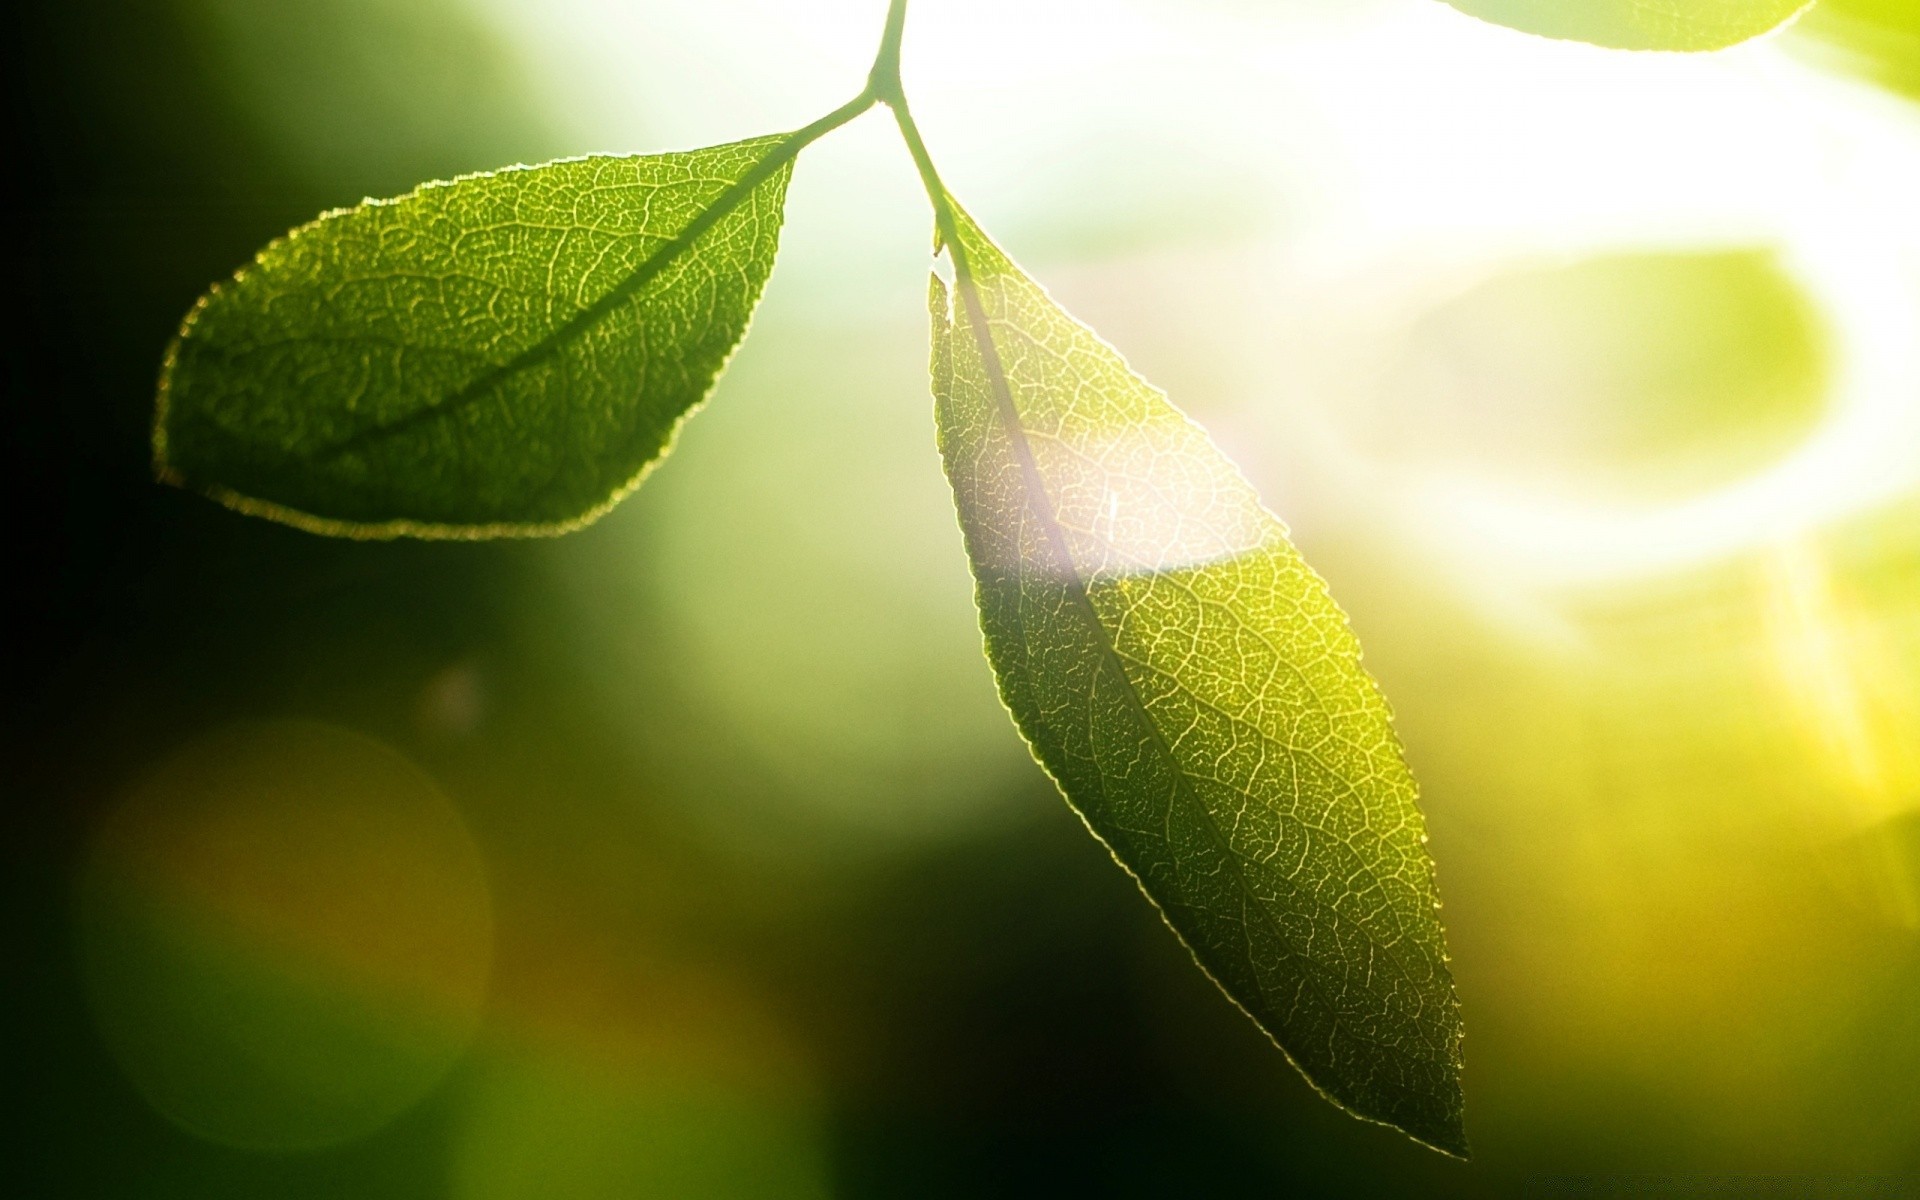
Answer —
883 84
800 138
884 87
930 179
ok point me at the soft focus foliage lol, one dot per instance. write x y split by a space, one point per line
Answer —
1878 38
1672 374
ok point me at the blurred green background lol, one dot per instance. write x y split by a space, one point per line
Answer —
691 855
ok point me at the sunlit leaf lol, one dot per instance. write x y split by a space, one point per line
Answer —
1185 678
1640 24
505 353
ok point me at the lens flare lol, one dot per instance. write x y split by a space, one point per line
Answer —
286 934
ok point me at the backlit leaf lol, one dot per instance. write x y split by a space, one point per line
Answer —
1186 680
505 353
1640 24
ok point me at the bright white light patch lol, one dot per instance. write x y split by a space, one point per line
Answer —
1406 147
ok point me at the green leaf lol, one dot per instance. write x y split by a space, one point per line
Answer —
1640 24
506 353
1186 680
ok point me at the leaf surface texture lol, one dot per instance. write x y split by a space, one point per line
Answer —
1187 681
504 353
1640 24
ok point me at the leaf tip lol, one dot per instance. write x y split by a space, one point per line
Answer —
1449 1138
1440 1123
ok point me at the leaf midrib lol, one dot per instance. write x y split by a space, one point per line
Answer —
551 346
782 154
965 284
989 352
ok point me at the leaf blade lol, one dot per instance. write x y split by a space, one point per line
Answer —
1115 553
1686 25
504 354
